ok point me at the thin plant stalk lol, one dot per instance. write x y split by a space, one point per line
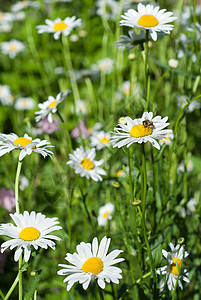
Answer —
18 211
143 182
125 238
148 248
133 210
146 75
69 67
12 287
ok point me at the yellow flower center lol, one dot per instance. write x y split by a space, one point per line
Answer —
147 21
105 140
106 214
140 131
12 47
174 266
87 163
29 234
52 104
22 141
118 173
60 26
93 265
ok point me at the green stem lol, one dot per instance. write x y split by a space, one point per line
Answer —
133 210
143 182
126 239
69 67
101 295
146 69
84 202
17 186
20 277
1 294
12 287
148 248
137 281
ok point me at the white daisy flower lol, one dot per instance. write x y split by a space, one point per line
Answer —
171 271
20 5
24 103
31 230
12 48
145 129
150 18
9 142
189 166
108 8
105 65
84 164
49 107
100 139
92 262
6 17
105 213
121 173
80 107
58 26
4 93
24 182
167 139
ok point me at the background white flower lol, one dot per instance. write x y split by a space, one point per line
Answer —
84 164
49 107
12 48
58 26
105 213
171 271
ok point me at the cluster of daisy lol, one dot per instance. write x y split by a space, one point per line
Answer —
32 230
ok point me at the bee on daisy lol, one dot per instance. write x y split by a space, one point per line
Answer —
92 262
105 213
84 164
25 144
149 18
171 271
49 107
31 230
142 130
59 26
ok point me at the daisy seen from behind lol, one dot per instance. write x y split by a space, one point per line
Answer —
58 26
105 213
49 107
31 230
149 18
25 144
84 164
172 269
12 48
92 262
100 139
142 130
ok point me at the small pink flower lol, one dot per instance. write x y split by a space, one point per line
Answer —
46 127
7 199
75 133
